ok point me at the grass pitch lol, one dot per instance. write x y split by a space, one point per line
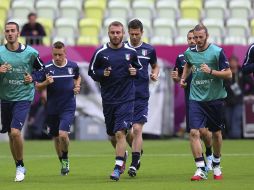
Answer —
165 164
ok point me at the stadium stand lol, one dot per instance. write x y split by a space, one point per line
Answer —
165 21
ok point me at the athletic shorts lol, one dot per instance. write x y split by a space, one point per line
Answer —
14 114
209 113
140 110
61 122
118 117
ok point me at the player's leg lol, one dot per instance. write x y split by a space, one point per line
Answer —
216 125
122 115
66 119
58 148
197 120
139 119
113 142
217 143
207 138
53 122
20 110
137 144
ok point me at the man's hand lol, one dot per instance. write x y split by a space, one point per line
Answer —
183 84
132 70
28 78
107 71
76 89
174 75
5 67
154 77
204 68
49 79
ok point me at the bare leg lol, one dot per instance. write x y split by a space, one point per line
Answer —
64 140
120 143
217 143
57 146
195 143
112 139
16 144
137 137
206 136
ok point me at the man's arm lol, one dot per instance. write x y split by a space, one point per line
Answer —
94 71
77 85
155 72
248 64
42 85
224 71
186 73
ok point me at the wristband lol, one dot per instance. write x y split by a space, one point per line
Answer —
211 71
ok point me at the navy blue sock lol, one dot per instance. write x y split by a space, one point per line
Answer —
208 151
19 163
65 155
135 159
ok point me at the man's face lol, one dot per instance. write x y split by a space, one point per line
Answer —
59 56
191 39
200 38
135 36
115 34
32 19
11 33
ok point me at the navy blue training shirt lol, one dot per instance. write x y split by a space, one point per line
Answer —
179 64
248 63
119 86
60 94
146 55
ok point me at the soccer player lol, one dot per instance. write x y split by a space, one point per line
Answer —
209 68
114 65
176 76
62 80
147 56
248 66
17 62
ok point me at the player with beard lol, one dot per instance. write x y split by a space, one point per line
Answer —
114 65
176 76
17 65
209 67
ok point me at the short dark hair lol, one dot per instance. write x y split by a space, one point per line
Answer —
135 24
58 45
14 23
31 14
115 23
199 27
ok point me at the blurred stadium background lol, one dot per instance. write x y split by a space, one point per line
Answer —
84 22
82 26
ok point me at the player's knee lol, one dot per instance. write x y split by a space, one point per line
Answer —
14 133
63 135
120 135
217 135
194 134
137 131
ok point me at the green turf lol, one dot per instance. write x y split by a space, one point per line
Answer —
166 164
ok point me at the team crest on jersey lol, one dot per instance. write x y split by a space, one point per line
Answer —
144 52
70 71
127 56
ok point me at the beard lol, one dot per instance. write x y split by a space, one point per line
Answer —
202 45
116 41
